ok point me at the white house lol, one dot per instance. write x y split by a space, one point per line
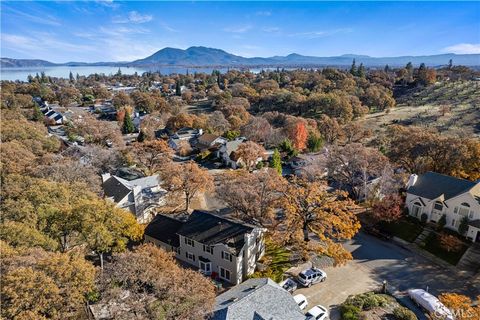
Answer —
431 195
217 246
141 196
184 134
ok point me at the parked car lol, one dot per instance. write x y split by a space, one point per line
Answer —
301 300
289 284
378 232
311 276
317 313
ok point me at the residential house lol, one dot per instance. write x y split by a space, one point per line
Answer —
53 116
208 140
256 299
310 165
431 195
217 246
141 196
184 134
226 153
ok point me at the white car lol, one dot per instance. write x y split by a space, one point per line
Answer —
317 313
301 300
311 276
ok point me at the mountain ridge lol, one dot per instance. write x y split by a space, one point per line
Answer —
199 56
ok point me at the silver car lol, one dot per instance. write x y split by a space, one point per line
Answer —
311 276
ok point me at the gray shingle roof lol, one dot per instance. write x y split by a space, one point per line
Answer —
256 299
164 229
113 187
431 185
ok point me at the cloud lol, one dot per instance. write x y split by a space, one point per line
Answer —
108 3
238 29
40 18
463 48
320 34
134 17
271 29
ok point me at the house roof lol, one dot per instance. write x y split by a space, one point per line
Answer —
164 229
431 185
207 138
474 223
116 188
254 299
210 229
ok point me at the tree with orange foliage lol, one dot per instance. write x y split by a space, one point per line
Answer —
151 156
460 305
249 154
298 134
186 179
388 209
450 243
310 208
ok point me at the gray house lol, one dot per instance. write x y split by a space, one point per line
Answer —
218 247
256 299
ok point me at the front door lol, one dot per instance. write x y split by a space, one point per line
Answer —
206 267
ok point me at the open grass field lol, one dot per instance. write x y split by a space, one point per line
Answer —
452 108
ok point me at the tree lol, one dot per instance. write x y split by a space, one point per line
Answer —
178 90
329 129
39 285
276 162
151 156
389 208
252 196
187 179
310 208
122 100
353 165
361 71
158 288
127 126
314 143
298 134
461 306
353 68
450 243
249 153
463 226
37 114
442 222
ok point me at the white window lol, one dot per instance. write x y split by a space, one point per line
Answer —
206 267
224 274
464 209
416 210
227 256
208 249
438 206
190 256
190 242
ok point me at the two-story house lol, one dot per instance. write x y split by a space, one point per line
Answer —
432 195
141 196
217 246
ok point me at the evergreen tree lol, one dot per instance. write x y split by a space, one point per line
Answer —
353 68
37 113
463 227
450 64
361 71
70 76
141 136
387 68
276 161
178 89
30 78
128 126
119 73
314 143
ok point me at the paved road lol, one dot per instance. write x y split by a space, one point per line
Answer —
376 260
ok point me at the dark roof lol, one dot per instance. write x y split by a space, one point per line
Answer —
431 185
210 229
114 188
164 229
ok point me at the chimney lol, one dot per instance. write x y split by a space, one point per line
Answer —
412 180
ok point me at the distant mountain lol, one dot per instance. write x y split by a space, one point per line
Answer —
210 57
22 63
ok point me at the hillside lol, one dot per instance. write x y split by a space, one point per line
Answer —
203 56
452 108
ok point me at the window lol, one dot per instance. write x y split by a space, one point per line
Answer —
227 256
464 209
190 242
206 267
224 274
190 256
416 210
453 222
208 249
471 214
438 206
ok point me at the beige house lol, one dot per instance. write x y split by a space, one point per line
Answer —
432 195
218 247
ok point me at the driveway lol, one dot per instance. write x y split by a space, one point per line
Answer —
376 260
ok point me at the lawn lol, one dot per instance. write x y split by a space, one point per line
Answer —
276 261
403 229
432 245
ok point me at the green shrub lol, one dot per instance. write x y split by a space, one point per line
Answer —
370 302
402 313
350 312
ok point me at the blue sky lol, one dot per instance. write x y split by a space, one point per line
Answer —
122 31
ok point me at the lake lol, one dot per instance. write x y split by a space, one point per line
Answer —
21 74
